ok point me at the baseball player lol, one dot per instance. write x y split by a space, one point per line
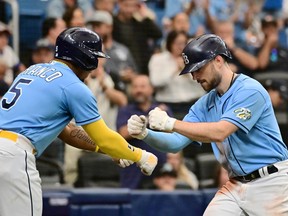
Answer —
38 107
237 118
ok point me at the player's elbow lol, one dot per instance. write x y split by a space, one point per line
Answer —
219 137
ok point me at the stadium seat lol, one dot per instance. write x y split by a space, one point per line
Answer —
50 164
96 170
206 165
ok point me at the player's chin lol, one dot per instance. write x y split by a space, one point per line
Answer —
206 86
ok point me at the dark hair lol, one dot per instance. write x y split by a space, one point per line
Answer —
171 37
68 15
48 24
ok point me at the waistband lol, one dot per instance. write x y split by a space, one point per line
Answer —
264 171
19 140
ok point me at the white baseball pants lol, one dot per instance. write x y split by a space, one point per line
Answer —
266 196
20 184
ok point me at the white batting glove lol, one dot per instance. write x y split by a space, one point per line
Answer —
147 163
125 163
122 162
159 120
137 126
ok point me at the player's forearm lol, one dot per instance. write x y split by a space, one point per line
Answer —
205 132
111 143
77 137
166 142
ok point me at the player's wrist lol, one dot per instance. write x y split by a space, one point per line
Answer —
143 134
169 124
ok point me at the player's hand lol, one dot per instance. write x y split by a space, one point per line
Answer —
147 163
123 162
159 120
137 126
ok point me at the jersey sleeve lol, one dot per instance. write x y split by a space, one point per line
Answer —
245 109
81 103
197 111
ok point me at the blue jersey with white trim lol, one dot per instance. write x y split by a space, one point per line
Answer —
42 100
258 140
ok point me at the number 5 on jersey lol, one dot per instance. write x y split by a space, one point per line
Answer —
16 90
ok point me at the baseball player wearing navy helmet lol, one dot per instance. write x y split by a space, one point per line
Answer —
39 106
237 118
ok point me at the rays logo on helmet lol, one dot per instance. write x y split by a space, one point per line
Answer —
185 58
243 113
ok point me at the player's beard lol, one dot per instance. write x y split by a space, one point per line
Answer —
213 83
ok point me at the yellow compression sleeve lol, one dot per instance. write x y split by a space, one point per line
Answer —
110 142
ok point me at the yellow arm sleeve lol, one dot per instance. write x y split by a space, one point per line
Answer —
110 142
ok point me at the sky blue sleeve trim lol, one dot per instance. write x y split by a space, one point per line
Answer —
166 142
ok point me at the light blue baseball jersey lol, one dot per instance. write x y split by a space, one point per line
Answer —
258 141
246 104
42 100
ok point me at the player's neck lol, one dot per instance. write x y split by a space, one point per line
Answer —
228 85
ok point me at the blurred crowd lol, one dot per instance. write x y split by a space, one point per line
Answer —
145 51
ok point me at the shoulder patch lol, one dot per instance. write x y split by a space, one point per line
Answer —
243 113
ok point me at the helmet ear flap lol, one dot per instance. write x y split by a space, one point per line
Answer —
80 46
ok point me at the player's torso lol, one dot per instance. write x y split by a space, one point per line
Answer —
35 105
244 151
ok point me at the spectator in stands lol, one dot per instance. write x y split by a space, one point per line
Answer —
242 61
272 56
51 28
74 17
179 22
101 5
197 11
165 178
57 8
185 177
142 102
121 66
7 55
278 91
139 36
108 98
179 93
43 52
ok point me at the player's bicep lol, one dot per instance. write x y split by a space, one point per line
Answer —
227 128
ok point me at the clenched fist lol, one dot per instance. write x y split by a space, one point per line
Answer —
159 120
137 126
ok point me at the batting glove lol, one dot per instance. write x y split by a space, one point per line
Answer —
124 163
159 120
147 163
137 126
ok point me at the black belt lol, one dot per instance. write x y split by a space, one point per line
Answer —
256 174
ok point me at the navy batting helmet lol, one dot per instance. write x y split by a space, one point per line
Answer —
80 46
201 50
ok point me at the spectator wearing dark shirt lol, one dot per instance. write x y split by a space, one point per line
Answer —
142 94
139 35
